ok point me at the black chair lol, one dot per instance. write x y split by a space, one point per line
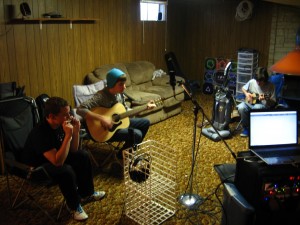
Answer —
226 172
235 208
18 115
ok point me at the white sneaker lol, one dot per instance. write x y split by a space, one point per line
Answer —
96 196
79 214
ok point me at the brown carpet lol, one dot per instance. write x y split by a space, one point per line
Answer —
175 132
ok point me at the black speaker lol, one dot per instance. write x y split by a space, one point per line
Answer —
25 9
139 168
10 12
272 190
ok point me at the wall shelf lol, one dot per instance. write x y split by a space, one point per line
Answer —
53 21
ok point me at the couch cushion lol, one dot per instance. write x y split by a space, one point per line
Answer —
159 107
163 91
141 96
90 78
172 102
141 87
101 72
140 71
162 81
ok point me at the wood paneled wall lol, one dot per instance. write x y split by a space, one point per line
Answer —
209 29
55 58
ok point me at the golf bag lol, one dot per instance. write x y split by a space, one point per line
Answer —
221 116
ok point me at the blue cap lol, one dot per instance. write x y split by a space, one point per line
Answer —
112 76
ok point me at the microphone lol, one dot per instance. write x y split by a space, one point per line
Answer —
226 72
172 81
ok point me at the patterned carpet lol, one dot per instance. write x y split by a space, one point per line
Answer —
177 134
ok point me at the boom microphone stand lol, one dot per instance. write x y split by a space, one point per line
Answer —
191 200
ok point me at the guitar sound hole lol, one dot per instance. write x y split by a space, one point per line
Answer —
114 127
115 118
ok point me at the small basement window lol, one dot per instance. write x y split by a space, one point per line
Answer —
153 10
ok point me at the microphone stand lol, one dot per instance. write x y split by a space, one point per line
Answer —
191 200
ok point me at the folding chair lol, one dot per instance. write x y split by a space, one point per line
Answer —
81 94
18 115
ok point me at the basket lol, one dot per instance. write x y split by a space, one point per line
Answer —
150 183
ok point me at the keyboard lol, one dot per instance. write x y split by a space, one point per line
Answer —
285 152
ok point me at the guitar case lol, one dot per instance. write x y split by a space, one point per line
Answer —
223 104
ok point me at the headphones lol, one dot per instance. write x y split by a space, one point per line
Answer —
139 168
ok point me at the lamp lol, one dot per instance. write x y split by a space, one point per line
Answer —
289 64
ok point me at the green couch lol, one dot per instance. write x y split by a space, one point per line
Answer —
142 86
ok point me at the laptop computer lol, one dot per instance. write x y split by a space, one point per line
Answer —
273 136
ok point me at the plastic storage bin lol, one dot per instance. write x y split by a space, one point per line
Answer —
246 67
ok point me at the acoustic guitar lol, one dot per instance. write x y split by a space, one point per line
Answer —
119 116
255 98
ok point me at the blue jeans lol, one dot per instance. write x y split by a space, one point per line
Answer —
134 134
244 109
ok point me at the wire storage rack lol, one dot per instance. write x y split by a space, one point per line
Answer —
150 183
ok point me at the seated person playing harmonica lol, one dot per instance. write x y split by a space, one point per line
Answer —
54 144
260 94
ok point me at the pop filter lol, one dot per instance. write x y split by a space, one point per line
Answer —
226 72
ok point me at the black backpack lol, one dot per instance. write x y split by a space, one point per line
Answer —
40 102
11 90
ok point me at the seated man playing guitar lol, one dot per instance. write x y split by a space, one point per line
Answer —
106 125
260 94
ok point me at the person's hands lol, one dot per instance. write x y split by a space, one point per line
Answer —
68 128
76 123
261 97
264 97
106 123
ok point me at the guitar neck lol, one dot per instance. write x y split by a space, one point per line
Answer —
133 112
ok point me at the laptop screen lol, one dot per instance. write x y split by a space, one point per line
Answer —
273 128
